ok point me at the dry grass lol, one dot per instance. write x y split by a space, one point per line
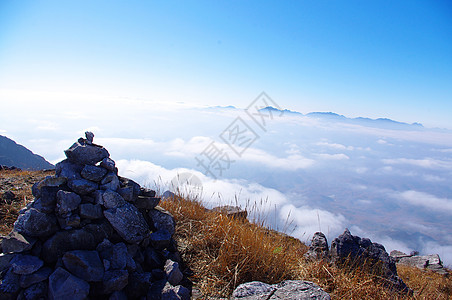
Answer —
224 252
20 183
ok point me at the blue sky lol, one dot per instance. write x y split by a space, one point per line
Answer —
358 58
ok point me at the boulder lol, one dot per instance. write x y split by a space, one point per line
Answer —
90 211
82 186
430 262
319 247
64 285
93 173
23 264
15 242
289 289
173 273
67 202
112 199
36 277
84 264
36 224
108 164
162 220
128 222
355 252
85 154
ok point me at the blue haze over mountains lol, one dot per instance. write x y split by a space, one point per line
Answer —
382 179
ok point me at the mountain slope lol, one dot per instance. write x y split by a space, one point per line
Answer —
13 154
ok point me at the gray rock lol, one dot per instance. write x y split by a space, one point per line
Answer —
117 254
90 211
319 247
109 164
48 199
77 239
128 222
162 220
93 173
98 197
289 289
82 186
33 278
64 285
232 211
114 280
68 170
89 137
126 193
84 154
69 222
36 224
49 181
398 254
430 262
15 242
173 273
110 182
253 290
168 195
145 202
179 292
23 264
84 264
112 199
358 252
67 202
160 239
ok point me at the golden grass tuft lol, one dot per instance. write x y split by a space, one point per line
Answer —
223 252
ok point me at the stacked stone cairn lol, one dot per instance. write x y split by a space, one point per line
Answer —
91 234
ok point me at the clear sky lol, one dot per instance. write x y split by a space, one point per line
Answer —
358 58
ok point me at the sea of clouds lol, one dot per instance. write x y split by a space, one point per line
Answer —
302 173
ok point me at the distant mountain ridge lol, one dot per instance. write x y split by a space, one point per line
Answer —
13 154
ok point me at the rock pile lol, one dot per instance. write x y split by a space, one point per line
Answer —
90 233
430 262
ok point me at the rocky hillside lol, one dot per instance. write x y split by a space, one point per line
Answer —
13 154
90 233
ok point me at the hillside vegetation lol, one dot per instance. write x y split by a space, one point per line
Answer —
223 252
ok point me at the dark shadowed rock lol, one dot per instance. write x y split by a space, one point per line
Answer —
319 247
139 284
126 193
110 182
15 242
145 202
84 264
67 202
115 280
64 285
128 222
89 137
84 154
109 164
112 199
173 273
355 252
36 291
36 224
116 254
93 173
90 211
23 264
162 220
9 286
160 239
5 260
33 278
68 170
82 186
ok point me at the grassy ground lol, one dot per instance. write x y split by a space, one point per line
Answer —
223 252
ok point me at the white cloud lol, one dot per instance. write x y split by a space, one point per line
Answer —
337 156
428 163
335 146
426 200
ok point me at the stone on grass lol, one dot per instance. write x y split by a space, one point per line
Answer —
162 220
173 272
